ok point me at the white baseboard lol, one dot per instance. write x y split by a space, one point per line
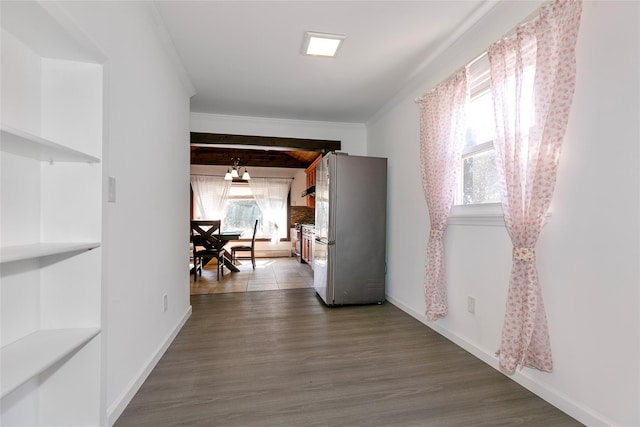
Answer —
580 412
274 253
118 406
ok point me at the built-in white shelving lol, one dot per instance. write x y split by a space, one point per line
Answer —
51 140
25 144
35 353
39 250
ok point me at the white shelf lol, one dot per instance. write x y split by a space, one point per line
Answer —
25 144
50 356
35 353
38 250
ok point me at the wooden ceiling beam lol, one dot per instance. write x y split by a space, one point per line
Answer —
322 145
260 158
259 151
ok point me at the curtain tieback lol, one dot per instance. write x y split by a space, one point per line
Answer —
436 234
524 254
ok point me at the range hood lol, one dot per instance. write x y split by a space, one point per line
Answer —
311 191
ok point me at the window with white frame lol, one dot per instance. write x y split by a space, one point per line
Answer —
478 181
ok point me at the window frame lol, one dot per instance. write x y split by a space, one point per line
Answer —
478 214
242 183
479 86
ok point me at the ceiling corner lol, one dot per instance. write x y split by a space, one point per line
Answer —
170 48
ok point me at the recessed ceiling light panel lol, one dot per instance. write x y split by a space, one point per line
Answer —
320 44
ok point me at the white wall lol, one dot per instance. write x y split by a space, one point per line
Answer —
21 98
146 231
588 252
352 135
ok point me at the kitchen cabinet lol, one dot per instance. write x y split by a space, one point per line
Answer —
308 235
311 182
51 209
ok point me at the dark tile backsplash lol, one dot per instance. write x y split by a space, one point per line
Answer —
302 215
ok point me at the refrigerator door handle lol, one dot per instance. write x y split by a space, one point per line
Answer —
325 241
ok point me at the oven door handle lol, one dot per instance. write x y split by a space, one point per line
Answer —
324 241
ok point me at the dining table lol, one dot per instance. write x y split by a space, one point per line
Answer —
206 236
225 237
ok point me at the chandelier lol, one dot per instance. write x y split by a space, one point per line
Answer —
234 172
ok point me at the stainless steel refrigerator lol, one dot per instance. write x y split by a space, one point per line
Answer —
350 243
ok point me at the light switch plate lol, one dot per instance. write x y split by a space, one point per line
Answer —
111 196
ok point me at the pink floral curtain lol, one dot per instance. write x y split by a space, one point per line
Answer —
442 132
530 127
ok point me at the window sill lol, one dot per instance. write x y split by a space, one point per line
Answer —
487 215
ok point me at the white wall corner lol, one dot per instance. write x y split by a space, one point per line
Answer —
120 403
170 49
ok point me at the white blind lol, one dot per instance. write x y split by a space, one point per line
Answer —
479 76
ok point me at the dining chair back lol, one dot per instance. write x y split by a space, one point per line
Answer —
247 248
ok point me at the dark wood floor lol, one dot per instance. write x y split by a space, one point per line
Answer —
281 358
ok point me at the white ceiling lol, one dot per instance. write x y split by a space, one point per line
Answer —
243 57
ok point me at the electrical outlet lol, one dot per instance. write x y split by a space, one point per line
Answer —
165 301
471 305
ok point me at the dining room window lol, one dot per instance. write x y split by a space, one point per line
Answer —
241 210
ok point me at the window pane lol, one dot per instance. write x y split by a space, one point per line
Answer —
480 119
480 179
240 214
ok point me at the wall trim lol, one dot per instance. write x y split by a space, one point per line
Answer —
273 253
119 405
574 409
278 121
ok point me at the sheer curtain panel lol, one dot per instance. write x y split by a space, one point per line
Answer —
529 133
442 133
210 195
271 195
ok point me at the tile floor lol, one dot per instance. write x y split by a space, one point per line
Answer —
270 274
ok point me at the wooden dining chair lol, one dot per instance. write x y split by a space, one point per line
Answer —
206 244
247 248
